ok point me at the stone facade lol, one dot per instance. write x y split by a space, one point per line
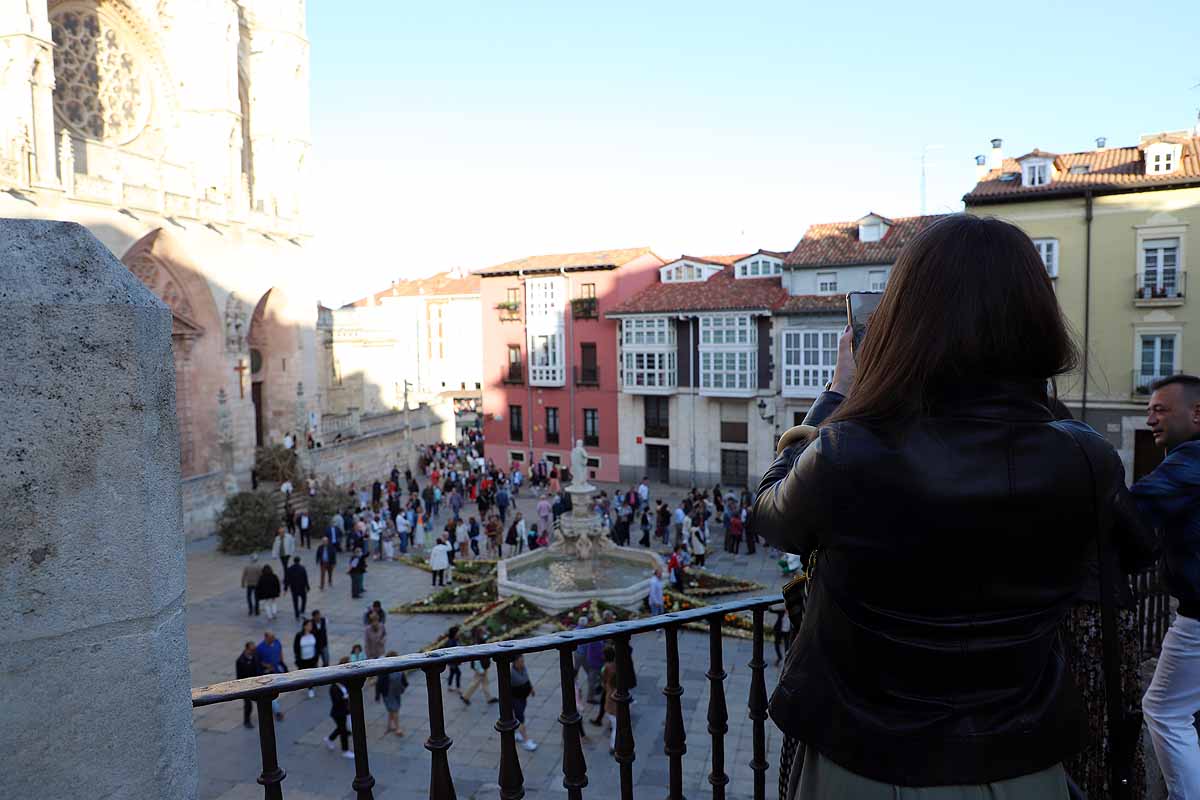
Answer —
177 132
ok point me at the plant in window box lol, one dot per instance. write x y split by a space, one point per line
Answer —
510 306
584 307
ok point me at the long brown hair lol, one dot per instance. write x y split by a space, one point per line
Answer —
968 299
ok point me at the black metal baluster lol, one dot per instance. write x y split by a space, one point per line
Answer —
758 708
624 749
272 776
674 736
574 766
512 782
363 782
718 716
441 785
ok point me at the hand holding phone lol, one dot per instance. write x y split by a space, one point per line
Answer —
859 307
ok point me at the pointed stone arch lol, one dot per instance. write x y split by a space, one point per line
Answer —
196 342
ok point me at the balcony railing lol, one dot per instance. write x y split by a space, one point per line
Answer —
1142 380
585 308
509 310
262 690
1167 290
513 373
660 431
587 376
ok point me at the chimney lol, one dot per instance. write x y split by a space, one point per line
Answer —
1101 142
981 169
996 158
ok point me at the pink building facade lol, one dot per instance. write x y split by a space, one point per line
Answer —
550 373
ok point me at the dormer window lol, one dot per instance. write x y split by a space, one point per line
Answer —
686 271
872 228
1162 158
758 266
1037 173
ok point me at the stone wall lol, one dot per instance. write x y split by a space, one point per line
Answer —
203 500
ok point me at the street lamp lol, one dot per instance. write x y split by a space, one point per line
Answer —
762 411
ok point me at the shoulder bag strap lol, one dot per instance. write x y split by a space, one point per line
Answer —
1118 759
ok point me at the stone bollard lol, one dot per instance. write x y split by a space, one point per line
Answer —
94 677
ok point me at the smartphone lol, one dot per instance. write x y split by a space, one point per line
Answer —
859 308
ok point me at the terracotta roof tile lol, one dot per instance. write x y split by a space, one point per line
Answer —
1111 169
599 259
723 261
721 292
443 283
813 304
836 243
775 253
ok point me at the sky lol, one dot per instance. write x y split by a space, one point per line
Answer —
468 134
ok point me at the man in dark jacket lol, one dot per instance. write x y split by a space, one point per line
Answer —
1169 497
248 666
296 579
321 630
326 560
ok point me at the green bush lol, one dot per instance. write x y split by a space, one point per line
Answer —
249 522
330 499
277 463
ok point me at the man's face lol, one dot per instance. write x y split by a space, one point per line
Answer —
268 637
1170 417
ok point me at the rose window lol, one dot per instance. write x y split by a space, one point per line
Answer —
100 89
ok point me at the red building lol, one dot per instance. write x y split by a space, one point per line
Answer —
550 355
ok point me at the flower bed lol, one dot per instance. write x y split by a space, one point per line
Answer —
739 625
454 599
510 618
461 572
594 611
702 583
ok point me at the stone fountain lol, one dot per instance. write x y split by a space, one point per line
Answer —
582 563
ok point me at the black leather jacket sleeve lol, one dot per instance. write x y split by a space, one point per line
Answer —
793 503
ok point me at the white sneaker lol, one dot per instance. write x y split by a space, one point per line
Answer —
530 745
329 743
312 693
348 754
520 738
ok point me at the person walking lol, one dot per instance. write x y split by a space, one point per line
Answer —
267 591
270 656
358 568
306 649
391 686
248 666
375 636
439 562
296 580
522 690
283 547
339 709
1169 497
321 629
250 575
326 557
454 673
480 669
545 513
608 680
304 523
951 378
655 598
698 546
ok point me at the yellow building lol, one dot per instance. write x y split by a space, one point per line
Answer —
1115 227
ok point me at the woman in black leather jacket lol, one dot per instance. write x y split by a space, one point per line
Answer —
951 516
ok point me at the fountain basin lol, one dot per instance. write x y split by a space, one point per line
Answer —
556 581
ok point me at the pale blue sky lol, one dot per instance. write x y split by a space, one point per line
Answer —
476 132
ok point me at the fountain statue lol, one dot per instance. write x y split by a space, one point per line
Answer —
582 562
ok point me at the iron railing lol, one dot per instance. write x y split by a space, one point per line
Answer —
1153 607
587 376
513 373
262 690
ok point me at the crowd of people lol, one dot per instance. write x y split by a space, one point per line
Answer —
458 505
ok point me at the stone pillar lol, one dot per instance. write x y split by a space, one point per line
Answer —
93 654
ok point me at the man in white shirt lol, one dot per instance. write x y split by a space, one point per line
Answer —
655 598
439 562
643 493
375 533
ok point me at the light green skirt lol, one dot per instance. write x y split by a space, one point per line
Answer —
821 779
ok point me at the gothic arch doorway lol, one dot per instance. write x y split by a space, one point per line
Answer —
195 342
274 368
